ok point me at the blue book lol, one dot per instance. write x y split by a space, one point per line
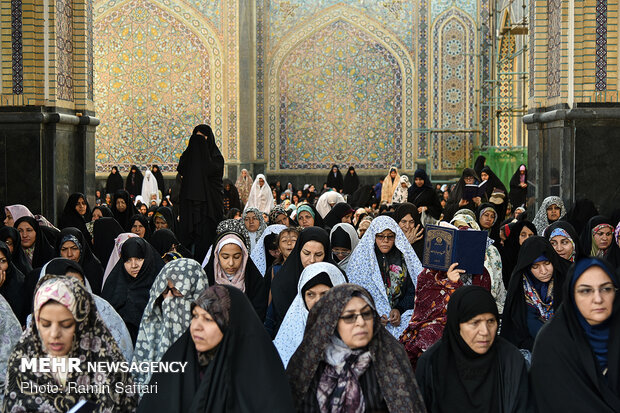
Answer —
443 246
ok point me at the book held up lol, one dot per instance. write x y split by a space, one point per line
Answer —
443 246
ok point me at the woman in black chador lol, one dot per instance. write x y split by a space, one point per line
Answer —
201 167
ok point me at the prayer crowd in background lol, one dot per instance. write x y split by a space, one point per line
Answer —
284 299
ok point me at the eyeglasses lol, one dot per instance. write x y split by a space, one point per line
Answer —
342 253
603 291
390 237
352 318
172 290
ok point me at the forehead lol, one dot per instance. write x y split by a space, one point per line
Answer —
593 276
355 303
313 246
482 317
386 232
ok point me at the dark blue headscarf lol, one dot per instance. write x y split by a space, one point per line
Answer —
597 335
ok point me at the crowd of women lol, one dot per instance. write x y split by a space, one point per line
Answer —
280 300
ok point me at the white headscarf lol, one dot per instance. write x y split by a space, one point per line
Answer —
10 332
260 198
150 190
292 329
326 201
541 222
116 253
400 193
350 230
364 269
259 255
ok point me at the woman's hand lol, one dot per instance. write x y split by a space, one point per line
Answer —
477 200
422 209
384 320
418 234
454 274
394 318
463 202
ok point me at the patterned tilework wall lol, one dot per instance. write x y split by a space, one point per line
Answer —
17 47
453 79
601 45
554 52
507 82
340 89
64 49
159 71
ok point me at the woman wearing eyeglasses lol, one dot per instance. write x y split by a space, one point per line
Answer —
534 293
385 264
168 314
576 359
348 362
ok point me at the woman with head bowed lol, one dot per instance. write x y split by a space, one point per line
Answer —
458 198
534 293
552 209
390 183
492 181
133 183
564 240
341 212
66 325
327 201
516 234
201 167
385 264
407 217
576 360
13 284
10 333
423 196
343 239
351 181
123 209
164 241
433 293
315 281
348 362
77 214
255 224
73 246
105 231
518 187
128 285
312 246
163 218
260 196
471 369
244 185
101 211
114 181
232 366
168 313
230 264
112 320
267 249
334 179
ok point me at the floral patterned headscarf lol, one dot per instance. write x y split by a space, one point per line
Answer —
92 342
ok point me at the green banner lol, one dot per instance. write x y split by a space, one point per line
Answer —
503 162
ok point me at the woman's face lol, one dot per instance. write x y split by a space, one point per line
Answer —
385 240
603 237
70 251
160 223
251 222
487 219
392 174
594 295
286 243
305 219
542 270
446 195
231 258
469 180
563 246
205 332
4 263
356 323
56 327
311 252
80 207
362 228
97 214
28 234
143 209
314 294
282 219
9 243
479 332
484 176
171 292
347 218
419 182
133 266
525 234
553 213
138 229
261 182
407 224
121 206
334 169
244 173
341 253
8 221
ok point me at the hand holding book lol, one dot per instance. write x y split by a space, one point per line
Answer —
454 274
